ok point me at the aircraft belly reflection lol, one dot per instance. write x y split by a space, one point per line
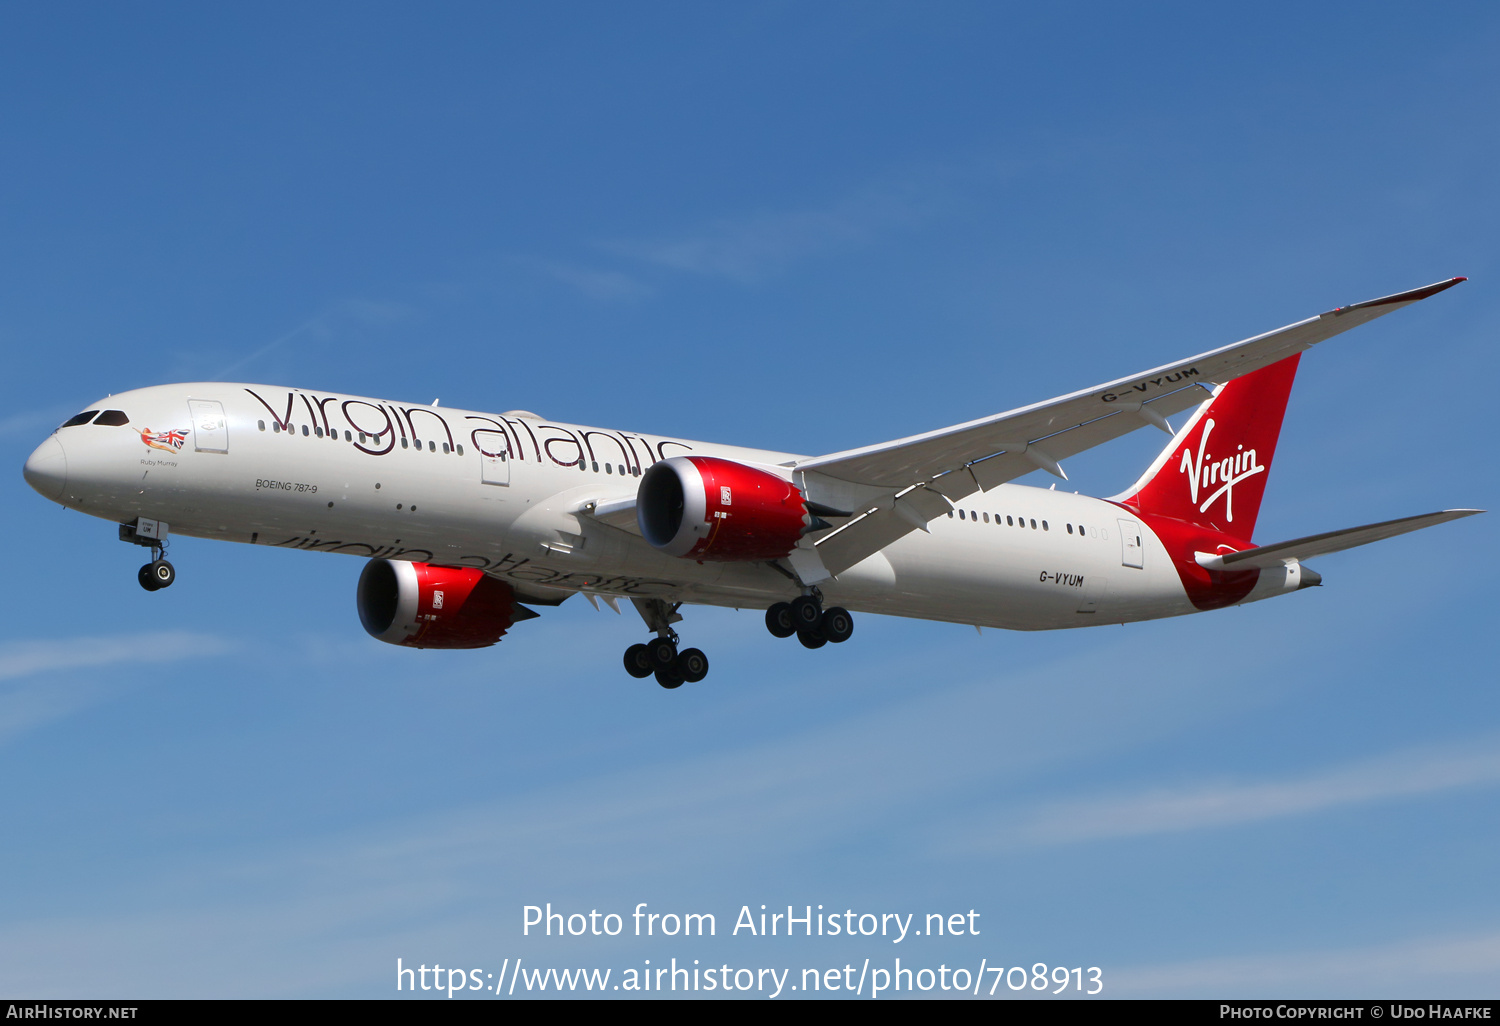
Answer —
468 518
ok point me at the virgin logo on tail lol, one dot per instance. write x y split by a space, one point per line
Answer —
1206 471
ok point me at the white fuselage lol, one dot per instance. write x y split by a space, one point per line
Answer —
506 493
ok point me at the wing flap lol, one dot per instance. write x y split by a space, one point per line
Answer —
1266 556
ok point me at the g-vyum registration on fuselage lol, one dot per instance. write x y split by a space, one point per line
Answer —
468 519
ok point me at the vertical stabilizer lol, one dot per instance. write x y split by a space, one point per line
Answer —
1213 474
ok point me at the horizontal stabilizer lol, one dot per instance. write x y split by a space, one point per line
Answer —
1267 556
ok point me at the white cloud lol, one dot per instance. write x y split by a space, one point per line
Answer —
361 312
27 706
747 248
1172 810
1453 966
26 658
595 284
332 910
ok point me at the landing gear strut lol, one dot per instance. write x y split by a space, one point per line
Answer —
158 573
805 617
660 656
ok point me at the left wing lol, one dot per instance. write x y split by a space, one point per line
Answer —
896 487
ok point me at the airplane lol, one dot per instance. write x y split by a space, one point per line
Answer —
468 519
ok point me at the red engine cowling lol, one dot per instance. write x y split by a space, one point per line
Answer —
701 507
424 606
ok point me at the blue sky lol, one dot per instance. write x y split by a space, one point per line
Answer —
803 227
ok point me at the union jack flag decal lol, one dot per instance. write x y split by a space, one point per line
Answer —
169 440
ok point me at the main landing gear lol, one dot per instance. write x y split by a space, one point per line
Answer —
660 656
805 617
158 573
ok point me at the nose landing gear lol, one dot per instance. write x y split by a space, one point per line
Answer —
152 534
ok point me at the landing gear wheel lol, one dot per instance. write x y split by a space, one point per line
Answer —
837 624
148 581
637 661
811 639
779 620
693 665
807 612
163 573
662 655
669 679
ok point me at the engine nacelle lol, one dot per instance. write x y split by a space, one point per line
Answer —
424 606
702 507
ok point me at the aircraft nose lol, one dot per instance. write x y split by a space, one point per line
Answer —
47 469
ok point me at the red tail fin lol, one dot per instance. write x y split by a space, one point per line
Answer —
1214 472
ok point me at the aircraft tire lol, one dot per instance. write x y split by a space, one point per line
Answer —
692 665
807 613
811 639
661 654
779 620
637 661
163 573
838 625
669 679
146 579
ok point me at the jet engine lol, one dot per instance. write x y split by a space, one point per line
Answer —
424 606
705 508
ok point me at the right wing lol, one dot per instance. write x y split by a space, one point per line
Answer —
895 487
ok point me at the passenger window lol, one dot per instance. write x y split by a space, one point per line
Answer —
261 424
304 431
361 438
431 445
445 448
275 427
960 514
460 450
348 437
596 466
1010 522
1070 528
1045 527
318 432
113 418
88 415
986 518
1033 525
950 514
404 444
609 468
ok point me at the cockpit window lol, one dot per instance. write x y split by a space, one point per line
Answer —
112 418
82 418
